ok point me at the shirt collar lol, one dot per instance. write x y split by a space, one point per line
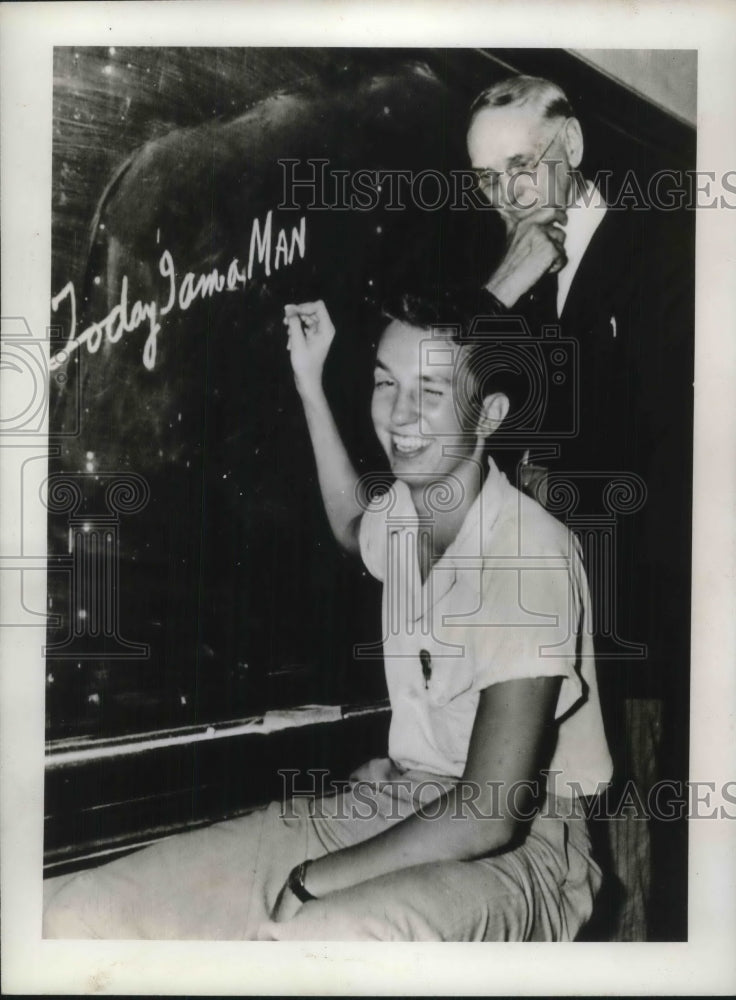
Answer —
479 520
583 218
483 513
469 545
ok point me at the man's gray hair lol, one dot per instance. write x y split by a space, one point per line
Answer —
518 91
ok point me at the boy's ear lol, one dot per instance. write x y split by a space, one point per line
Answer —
492 413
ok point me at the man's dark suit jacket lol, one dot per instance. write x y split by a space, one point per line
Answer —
630 309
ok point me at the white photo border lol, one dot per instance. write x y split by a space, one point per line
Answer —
704 965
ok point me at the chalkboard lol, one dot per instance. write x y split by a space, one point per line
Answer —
192 575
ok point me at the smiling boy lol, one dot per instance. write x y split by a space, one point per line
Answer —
488 657
487 652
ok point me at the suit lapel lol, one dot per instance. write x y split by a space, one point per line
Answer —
601 281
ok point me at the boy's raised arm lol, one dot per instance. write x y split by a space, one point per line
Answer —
310 334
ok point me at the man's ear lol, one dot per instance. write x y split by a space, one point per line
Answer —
573 139
492 413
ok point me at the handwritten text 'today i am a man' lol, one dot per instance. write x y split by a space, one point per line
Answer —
124 318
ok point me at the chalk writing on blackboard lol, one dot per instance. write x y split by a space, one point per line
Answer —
124 318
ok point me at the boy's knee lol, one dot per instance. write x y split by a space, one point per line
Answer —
65 922
71 909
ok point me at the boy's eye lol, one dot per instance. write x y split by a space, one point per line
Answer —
433 392
381 382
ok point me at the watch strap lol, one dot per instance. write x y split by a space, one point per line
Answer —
295 882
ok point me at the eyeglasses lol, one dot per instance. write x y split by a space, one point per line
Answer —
487 177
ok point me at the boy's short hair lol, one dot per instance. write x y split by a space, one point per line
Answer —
489 361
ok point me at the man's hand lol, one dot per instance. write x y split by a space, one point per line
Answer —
310 335
535 245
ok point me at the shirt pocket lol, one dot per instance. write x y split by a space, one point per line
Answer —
450 676
452 649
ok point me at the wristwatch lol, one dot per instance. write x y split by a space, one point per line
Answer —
295 882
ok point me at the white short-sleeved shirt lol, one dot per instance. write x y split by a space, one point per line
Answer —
508 599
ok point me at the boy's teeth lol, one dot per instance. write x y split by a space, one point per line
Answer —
405 443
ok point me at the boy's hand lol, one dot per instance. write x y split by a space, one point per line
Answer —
285 907
310 335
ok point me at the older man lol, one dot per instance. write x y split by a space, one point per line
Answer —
525 146
620 283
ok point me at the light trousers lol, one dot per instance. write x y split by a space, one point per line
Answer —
220 883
